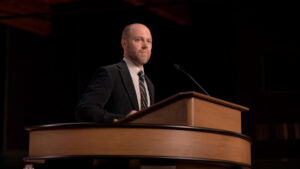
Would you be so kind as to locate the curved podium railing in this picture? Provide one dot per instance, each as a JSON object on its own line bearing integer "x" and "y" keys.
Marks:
{"x": 184, "y": 138}
{"x": 138, "y": 141}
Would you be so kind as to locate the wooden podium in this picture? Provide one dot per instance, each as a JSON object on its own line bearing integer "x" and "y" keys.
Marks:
{"x": 189, "y": 129}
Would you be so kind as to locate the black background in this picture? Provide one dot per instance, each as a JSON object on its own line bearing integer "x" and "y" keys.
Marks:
{"x": 242, "y": 52}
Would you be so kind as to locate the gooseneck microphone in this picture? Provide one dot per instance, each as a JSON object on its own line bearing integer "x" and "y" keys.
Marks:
{"x": 178, "y": 68}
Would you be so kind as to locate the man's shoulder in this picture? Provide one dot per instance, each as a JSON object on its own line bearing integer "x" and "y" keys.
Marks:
{"x": 114, "y": 66}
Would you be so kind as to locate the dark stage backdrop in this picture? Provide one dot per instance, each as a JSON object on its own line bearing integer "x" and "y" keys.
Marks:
{"x": 242, "y": 52}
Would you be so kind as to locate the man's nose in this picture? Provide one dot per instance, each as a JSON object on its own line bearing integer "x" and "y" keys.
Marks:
{"x": 144, "y": 45}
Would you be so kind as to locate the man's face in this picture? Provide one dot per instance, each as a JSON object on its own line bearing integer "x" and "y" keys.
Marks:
{"x": 138, "y": 45}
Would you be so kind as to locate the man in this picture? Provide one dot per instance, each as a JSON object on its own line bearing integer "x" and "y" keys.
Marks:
{"x": 121, "y": 89}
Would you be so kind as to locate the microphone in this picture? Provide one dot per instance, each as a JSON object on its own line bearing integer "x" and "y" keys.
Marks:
{"x": 178, "y": 68}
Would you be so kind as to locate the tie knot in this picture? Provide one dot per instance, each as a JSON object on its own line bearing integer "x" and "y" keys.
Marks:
{"x": 141, "y": 74}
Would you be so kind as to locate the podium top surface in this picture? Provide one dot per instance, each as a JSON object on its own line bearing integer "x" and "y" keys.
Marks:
{"x": 183, "y": 95}
{"x": 207, "y": 98}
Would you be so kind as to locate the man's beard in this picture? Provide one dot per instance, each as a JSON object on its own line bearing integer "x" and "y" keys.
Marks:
{"x": 139, "y": 60}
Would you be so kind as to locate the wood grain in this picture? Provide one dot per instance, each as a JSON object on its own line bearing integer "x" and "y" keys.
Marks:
{"x": 154, "y": 142}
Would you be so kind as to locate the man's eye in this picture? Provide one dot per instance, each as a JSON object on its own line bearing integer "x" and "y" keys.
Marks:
{"x": 137, "y": 40}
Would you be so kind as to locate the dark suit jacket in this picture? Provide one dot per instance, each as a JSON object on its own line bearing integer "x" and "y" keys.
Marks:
{"x": 110, "y": 95}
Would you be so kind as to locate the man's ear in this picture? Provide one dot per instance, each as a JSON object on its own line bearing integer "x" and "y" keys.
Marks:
{"x": 123, "y": 43}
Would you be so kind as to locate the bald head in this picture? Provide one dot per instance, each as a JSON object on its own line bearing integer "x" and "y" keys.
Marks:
{"x": 127, "y": 31}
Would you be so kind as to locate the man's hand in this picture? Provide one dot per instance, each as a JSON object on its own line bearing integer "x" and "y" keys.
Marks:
{"x": 129, "y": 114}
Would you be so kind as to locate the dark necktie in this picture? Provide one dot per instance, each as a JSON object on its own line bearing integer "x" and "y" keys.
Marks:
{"x": 144, "y": 101}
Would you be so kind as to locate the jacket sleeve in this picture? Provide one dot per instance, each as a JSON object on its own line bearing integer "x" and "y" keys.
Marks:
{"x": 91, "y": 107}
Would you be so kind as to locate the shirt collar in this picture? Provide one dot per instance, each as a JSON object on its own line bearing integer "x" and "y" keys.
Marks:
{"x": 132, "y": 67}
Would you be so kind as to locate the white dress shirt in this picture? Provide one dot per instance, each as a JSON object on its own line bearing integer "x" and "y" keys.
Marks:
{"x": 134, "y": 70}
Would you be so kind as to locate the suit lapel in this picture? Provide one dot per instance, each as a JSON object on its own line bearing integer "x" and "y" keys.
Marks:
{"x": 128, "y": 84}
{"x": 151, "y": 89}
